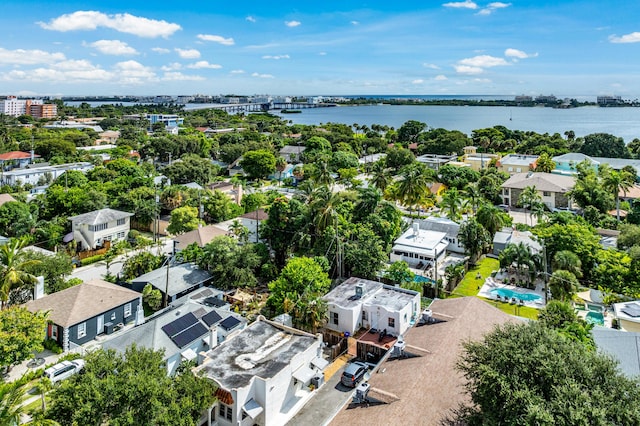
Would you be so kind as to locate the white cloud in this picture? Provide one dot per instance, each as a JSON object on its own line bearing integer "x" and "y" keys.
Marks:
{"x": 519, "y": 54}
{"x": 188, "y": 53}
{"x": 217, "y": 39}
{"x": 292, "y": 24}
{"x": 483, "y": 61}
{"x": 276, "y": 57}
{"x": 172, "y": 66}
{"x": 203, "y": 64}
{"x": 627, "y": 38}
{"x": 250, "y": 18}
{"x": 355, "y": 23}
{"x": 178, "y": 76}
{"x": 322, "y": 53}
{"x": 467, "y": 4}
{"x": 133, "y": 72}
{"x": 113, "y": 47}
{"x": 431, "y": 66}
{"x": 417, "y": 81}
{"x": 466, "y": 69}
{"x": 255, "y": 74}
{"x": 160, "y": 50}
{"x": 440, "y": 77}
{"x": 28, "y": 57}
{"x": 121, "y": 22}
{"x": 237, "y": 71}
{"x": 482, "y": 80}
{"x": 488, "y": 10}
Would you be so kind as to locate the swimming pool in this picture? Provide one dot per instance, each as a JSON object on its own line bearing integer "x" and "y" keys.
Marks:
{"x": 509, "y": 294}
{"x": 421, "y": 279}
{"x": 595, "y": 318}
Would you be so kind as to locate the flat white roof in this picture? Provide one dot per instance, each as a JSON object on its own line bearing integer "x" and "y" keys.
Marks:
{"x": 423, "y": 239}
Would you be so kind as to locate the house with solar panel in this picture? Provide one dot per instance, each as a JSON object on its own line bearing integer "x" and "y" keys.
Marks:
{"x": 628, "y": 315}
{"x": 182, "y": 333}
{"x": 181, "y": 280}
{"x": 265, "y": 374}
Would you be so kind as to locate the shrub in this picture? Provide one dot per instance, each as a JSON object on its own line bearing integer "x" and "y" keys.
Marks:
{"x": 92, "y": 259}
{"x": 52, "y": 345}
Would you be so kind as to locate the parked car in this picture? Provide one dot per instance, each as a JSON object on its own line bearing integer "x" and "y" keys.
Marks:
{"x": 353, "y": 373}
{"x": 504, "y": 207}
{"x": 64, "y": 370}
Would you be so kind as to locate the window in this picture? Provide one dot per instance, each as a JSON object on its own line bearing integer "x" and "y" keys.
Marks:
{"x": 120, "y": 235}
{"x": 364, "y": 315}
{"x": 334, "y": 318}
{"x": 121, "y": 221}
{"x": 546, "y": 194}
{"x": 225, "y": 411}
{"x": 518, "y": 169}
{"x": 82, "y": 330}
{"x": 98, "y": 227}
{"x": 113, "y": 316}
{"x": 510, "y": 169}
{"x": 392, "y": 322}
{"x": 127, "y": 310}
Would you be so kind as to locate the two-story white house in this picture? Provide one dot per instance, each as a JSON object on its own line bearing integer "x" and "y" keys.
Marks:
{"x": 420, "y": 247}
{"x": 358, "y": 303}
{"x": 265, "y": 374}
{"x": 36, "y": 174}
{"x": 91, "y": 230}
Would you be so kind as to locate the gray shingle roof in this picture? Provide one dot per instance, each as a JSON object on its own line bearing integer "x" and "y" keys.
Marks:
{"x": 542, "y": 181}
{"x": 181, "y": 277}
{"x": 100, "y": 216}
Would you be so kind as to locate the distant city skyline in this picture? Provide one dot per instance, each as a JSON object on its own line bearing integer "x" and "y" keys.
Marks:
{"x": 565, "y": 48}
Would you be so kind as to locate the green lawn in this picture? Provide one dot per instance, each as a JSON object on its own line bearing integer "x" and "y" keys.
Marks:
{"x": 470, "y": 285}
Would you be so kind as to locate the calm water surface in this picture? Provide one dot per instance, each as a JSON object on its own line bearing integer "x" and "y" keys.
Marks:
{"x": 622, "y": 122}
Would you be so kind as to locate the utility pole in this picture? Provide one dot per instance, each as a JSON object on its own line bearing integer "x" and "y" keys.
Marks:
{"x": 171, "y": 257}
{"x": 544, "y": 263}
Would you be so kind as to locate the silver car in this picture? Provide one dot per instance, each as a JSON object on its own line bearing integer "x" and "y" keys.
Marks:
{"x": 353, "y": 373}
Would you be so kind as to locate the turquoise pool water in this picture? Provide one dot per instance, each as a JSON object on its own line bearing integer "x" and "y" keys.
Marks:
{"x": 421, "y": 279}
{"x": 595, "y": 318}
{"x": 525, "y": 296}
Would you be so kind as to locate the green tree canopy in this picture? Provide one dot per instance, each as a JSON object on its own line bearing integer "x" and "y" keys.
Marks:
{"x": 530, "y": 374}
{"x": 130, "y": 389}
{"x": 258, "y": 164}
{"x": 183, "y": 219}
{"x": 21, "y": 334}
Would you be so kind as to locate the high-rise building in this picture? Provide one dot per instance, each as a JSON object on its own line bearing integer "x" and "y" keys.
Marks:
{"x": 36, "y": 107}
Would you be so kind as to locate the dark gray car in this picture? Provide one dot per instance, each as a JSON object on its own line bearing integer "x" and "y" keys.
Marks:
{"x": 353, "y": 373}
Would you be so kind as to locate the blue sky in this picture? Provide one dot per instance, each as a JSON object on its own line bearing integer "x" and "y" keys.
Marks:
{"x": 568, "y": 48}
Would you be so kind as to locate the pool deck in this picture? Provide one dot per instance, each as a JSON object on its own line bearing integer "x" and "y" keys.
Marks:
{"x": 492, "y": 284}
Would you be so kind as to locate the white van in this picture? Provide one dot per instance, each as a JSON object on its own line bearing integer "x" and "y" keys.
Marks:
{"x": 64, "y": 370}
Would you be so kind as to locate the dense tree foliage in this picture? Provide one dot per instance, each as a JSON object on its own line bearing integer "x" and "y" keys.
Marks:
{"x": 531, "y": 374}
{"x": 130, "y": 389}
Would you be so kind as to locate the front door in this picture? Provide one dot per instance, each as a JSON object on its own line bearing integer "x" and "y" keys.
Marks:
{"x": 100, "y": 328}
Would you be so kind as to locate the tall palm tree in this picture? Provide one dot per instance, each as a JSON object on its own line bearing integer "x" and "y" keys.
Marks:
{"x": 473, "y": 194}
{"x": 529, "y": 198}
{"x": 320, "y": 174}
{"x": 452, "y": 204}
{"x": 616, "y": 181}
{"x": 11, "y": 408}
{"x": 568, "y": 261}
{"x": 368, "y": 200}
{"x": 12, "y": 274}
{"x": 324, "y": 207}
{"x": 380, "y": 176}
{"x": 281, "y": 164}
{"x": 491, "y": 217}
{"x": 413, "y": 185}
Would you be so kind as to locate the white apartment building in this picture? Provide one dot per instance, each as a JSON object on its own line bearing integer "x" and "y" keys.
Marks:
{"x": 33, "y": 174}
{"x": 16, "y": 107}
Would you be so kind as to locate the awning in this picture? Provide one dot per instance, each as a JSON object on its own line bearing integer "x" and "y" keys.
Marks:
{"x": 320, "y": 363}
{"x": 304, "y": 374}
{"x": 68, "y": 238}
{"x": 252, "y": 408}
{"x": 189, "y": 355}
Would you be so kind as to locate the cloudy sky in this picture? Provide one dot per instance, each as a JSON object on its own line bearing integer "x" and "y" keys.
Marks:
{"x": 568, "y": 48}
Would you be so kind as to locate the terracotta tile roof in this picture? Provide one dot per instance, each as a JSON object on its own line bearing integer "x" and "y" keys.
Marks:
{"x": 16, "y": 155}
{"x": 5, "y": 198}
{"x": 81, "y": 302}
{"x": 201, "y": 236}
{"x": 422, "y": 389}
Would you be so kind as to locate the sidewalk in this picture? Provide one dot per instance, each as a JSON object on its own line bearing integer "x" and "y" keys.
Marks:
{"x": 25, "y": 366}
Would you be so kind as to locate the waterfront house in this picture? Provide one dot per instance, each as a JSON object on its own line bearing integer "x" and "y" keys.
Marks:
{"x": 517, "y": 163}
{"x": 566, "y": 163}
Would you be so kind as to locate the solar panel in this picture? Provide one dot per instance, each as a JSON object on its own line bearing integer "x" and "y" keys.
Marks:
{"x": 214, "y": 301}
{"x": 211, "y": 318}
{"x": 180, "y": 324}
{"x": 229, "y": 323}
{"x": 633, "y": 310}
{"x": 189, "y": 335}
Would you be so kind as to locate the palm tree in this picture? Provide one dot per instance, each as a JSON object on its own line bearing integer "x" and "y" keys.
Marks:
{"x": 563, "y": 285}
{"x": 529, "y": 197}
{"x": 11, "y": 408}
{"x": 380, "y": 176}
{"x": 491, "y": 217}
{"x": 281, "y": 164}
{"x": 368, "y": 200}
{"x": 324, "y": 207}
{"x": 616, "y": 181}
{"x": 239, "y": 231}
{"x": 413, "y": 185}
{"x": 12, "y": 275}
{"x": 568, "y": 261}
{"x": 452, "y": 204}
{"x": 473, "y": 194}
{"x": 321, "y": 175}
